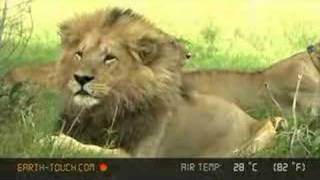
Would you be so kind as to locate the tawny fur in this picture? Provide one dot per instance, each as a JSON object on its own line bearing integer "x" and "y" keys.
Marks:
{"x": 253, "y": 90}
{"x": 40, "y": 74}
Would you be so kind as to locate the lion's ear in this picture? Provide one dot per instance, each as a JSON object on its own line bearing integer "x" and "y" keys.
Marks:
{"x": 68, "y": 38}
{"x": 311, "y": 49}
{"x": 147, "y": 49}
{"x": 63, "y": 33}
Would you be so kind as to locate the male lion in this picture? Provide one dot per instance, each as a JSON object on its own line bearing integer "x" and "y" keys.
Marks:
{"x": 121, "y": 79}
{"x": 274, "y": 87}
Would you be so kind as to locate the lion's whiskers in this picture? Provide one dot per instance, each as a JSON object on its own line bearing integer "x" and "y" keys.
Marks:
{"x": 98, "y": 85}
{"x": 99, "y": 88}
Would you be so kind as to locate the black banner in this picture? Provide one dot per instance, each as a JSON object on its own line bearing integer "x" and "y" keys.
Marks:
{"x": 152, "y": 169}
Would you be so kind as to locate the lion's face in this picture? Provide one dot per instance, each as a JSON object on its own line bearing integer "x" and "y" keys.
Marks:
{"x": 127, "y": 60}
{"x": 99, "y": 64}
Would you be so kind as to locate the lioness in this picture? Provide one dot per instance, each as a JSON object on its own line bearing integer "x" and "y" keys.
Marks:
{"x": 274, "y": 87}
{"x": 43, "y": 74}
{"x": 121, "y": 79}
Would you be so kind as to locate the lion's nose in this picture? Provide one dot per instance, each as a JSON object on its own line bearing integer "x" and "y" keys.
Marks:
{"x": 82, "y": 80}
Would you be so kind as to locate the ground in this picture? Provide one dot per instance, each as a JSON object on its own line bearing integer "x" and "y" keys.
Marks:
{"x": 231, "y": 34}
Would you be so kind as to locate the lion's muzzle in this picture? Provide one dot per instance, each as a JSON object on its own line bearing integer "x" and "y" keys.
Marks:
{"x": 82, "y": 95}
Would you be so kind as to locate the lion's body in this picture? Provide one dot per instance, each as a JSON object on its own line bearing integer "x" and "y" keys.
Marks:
{"x": 235, "y": 87}
{"x": 40, "y": 74}
{"x": 121, "y": 79}
{"x": 205, "y": 126}
{"x": 251, "y": 90}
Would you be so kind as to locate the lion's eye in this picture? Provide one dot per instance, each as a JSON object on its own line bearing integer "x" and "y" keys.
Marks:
{"x": 78, "y": 55}
{"x": 109, "y": 59}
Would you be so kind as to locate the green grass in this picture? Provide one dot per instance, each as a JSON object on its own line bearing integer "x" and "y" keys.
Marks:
{"x": 24, "y": 120}
{"x": 231, "y": 34}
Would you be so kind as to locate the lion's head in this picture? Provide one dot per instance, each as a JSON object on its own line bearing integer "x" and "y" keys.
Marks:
{"x": 117, "y": 53}
{"x": 314, "y": 52}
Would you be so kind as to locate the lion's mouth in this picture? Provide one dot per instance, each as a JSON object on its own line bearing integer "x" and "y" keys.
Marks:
{"x": 85, "y": 99}
{"x": 82, "y": 92}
